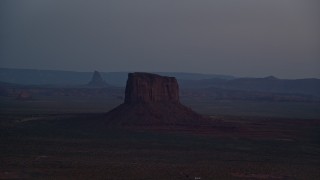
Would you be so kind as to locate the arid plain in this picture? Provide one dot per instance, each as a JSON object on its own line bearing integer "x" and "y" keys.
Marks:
{"x": 68, "y": 137}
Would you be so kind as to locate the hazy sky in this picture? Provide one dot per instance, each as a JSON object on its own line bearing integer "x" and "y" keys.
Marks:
{"x": 235, "y": 37}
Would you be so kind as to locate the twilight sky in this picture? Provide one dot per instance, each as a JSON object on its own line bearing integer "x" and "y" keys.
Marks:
{"x": 236, "y": 37}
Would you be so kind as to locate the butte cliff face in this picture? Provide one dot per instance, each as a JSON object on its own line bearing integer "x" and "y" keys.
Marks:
{"x": 152, "y": 100}
{"x": 151, "y": 88}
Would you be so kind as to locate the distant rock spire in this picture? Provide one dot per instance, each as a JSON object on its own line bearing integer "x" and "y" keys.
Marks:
{"x": 97, "y": 80}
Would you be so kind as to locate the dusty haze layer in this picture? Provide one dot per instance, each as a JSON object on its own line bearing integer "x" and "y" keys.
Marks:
{"x": 242, "y": 38}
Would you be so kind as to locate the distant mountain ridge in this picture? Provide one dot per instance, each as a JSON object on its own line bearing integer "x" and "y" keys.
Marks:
{"x": 65, "y": 83}
{"x": 268, "y": 84}
{"x": 57, "y": 77}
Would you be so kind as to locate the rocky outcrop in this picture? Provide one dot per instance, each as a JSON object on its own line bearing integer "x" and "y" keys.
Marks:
{"x": 152, "y": 100}
{"x": 151, "y": 88}
{"x": 97, "y": 80}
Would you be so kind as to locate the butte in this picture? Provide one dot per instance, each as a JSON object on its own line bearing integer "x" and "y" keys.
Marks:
{"x": 153, "y": 100}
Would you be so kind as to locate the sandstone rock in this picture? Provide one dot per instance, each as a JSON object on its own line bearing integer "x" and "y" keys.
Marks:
{"x": 151, "y": 88}
{"x": 153, "y": 100}
{"x": 97, "y": 80}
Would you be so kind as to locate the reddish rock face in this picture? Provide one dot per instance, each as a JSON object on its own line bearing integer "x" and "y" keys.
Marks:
{"x": 151, "y": 88}
{"x": 153, "y": 100}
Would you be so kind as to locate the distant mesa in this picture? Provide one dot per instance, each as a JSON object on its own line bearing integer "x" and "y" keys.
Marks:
{"x": 97, "y": 80}
{"x": 151, "y": 99}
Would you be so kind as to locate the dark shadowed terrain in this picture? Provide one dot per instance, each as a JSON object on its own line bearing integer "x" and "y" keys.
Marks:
{"x": 54, "y": 132}
{"x": 80, "y": 146}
